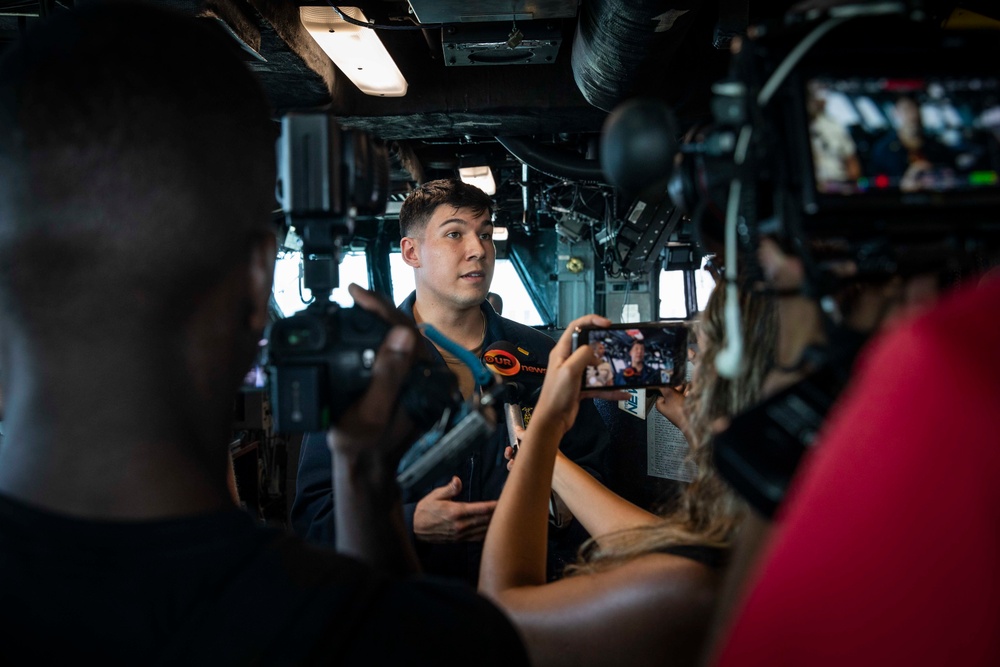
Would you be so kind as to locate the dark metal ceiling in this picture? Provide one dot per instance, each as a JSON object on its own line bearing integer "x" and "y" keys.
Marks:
{"x": 443, "y": 101}
{"x": 595, "y": 54}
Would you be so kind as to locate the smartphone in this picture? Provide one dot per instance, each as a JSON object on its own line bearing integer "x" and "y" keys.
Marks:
{"x": 645, "y": 354}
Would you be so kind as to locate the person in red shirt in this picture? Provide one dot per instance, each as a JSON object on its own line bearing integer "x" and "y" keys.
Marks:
{"x": 885, "y": 547}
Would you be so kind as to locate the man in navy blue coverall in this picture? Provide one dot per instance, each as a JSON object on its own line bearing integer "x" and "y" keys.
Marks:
{"x": 637, "y": 373}
{"x": 447, "y": 237}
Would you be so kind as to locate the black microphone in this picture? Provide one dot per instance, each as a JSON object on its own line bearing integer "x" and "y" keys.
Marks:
{"x": 521, "y": 375}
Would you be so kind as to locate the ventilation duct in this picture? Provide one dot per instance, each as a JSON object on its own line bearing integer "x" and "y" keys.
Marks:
{"x": 622, "y": 46}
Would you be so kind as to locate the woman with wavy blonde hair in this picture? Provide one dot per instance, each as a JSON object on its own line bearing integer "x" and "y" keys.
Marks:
{"x": 644, "y": 588}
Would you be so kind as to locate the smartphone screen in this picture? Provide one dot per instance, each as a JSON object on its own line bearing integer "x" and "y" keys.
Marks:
{"x": 648, "y": 354}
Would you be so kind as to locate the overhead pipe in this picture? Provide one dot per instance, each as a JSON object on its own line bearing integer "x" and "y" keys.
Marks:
{"x": 553, "y": 161}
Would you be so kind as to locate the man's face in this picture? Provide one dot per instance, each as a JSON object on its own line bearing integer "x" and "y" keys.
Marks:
{"x": 604, "y": 374}
{"x": 453, "y": 258}
{"x": 637, "y": 352}
{"x": 908, "y": 114}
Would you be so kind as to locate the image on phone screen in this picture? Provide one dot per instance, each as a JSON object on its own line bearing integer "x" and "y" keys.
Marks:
{"x": 649, "y": 354}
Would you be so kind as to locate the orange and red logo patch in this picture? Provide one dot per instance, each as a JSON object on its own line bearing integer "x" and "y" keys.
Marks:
{"x": 502, "y": 362}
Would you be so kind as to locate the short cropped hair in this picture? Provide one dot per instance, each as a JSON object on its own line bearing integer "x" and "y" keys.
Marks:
{"x": 131, "y": 178}
{"x": 422, "y": 202}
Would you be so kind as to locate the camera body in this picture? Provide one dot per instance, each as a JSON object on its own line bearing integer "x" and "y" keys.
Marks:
{"x": 320, "y": 360}
{"x": 328, "y": 175}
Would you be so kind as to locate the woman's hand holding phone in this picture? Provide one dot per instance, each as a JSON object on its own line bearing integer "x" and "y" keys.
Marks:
{"x": 561, "y": 390}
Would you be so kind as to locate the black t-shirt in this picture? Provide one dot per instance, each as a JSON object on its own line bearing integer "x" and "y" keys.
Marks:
{"x": 220, "y": 590}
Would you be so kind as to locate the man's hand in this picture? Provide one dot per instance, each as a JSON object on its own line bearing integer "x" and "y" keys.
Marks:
{"x": 920, "y": 175}
{"x": 438, "y": 518}
{"x": 510, "y": 452}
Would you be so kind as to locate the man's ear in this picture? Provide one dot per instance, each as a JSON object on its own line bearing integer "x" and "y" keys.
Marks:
{"x": 409, "y": 248}
{"x": 261, "y": 276}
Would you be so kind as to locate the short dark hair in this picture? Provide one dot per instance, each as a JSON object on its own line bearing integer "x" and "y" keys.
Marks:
{"x": 422, "y": 202}
{"x": 131, "y": 179}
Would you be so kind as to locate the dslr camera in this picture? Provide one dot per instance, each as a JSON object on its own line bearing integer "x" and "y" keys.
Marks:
{"x": 319, "y": 360}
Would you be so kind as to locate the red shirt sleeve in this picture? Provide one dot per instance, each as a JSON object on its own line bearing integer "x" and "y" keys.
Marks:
{"x": 888, "y": 547}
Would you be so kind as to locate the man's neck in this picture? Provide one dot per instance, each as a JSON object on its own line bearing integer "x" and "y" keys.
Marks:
{"x": 465, "y": 327}
{"x": 125, "y": 459}
{"x": 141, "y": 482}
{"x": 912, "y": 139}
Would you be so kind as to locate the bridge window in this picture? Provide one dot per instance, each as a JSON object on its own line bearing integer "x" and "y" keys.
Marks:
{"x": 672, "y": 303}
{"x": 517, "y": 304}
{"x": 292, "y": 295}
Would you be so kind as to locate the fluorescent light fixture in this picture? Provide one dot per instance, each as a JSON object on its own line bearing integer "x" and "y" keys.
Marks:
{"x": 357, "y": 51}
{"x": 481, "y": 177}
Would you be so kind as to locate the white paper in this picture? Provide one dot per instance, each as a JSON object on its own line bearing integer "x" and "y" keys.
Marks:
{"x": 666, "y": 450}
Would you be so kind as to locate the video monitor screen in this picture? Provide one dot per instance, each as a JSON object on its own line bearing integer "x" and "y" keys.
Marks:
{"x": 886, "y": 135}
